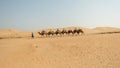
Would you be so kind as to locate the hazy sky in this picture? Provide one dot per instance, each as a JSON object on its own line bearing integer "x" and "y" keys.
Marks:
{"x": 40, "y": 14}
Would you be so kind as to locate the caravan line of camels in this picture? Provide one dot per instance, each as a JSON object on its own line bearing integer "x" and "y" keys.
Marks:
{"x": 61, "y": 32}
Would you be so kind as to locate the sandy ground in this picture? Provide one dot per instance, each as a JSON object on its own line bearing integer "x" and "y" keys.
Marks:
{"x": 83, "y": 51}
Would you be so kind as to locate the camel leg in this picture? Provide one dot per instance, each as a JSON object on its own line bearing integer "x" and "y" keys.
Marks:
{"x": 78, "y": 33}
{"x": 73, "y": 34}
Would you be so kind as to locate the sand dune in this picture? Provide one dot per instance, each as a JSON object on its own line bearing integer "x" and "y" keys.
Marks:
{"x": 10, "y": 33}
{"x": 106, "y": 29}
{"x": 82, "y": 51}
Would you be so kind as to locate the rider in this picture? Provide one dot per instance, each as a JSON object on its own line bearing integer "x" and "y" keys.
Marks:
{"x": 32, "y": 35}
{"x": 50, "y": 30}
{"x": 64, "y": 29}
{"x": 75, "y": 28}
{"x": 58, "y": 30}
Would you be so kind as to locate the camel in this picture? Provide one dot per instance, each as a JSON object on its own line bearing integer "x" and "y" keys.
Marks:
{"x": 78, "y": 31}
{"x": 42, "y": 33}
{"x": 64, "y": 31}
{"x": 50, "y": 33}
{"x": 70, "y": 32}
{"x": 58, "y": 32}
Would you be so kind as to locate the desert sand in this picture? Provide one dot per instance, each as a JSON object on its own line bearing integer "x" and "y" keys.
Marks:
{"x": 91, "y": 50}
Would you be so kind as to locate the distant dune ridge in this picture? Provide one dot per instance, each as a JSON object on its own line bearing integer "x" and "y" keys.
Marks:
{"x": 11, "y": 33}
